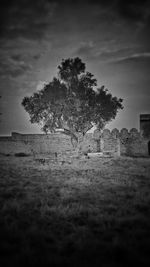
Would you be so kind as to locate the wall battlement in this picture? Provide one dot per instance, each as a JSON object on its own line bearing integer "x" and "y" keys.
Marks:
{"x": 123, "y": 142}
{"x": 123, "y": 133}
{"x": 130, "y": 142}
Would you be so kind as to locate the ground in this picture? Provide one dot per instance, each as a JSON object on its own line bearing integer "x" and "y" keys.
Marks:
{"x": 92, "y": 212}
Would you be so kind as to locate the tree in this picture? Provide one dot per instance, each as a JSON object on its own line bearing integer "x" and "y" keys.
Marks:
{"x": 72, "y": 102}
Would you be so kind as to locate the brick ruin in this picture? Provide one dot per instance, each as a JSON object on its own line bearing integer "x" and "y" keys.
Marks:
{"x": 115, "y": 142}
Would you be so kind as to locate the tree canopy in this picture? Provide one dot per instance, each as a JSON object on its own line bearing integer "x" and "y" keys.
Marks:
{"x": 71, "y": 101}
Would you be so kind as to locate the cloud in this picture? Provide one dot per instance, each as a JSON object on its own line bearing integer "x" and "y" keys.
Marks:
{"x": 135, "y": 10}
{"x": 16, "y": 57}
{"x": 110, "y": 53}
{"x": 19, "y": 57}
{"x": 85, "y": 49}
{"x": 14, "y": 70}
{"x": 37, "y": 56}
{"x": 144, "y": 56}
{"x": 25, "y": 18}
{"x": 40, "y": 85}
{"x": 56, "y": 20}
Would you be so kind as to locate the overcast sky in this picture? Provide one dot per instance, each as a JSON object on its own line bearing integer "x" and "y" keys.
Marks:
{"x": 111, "y": 37}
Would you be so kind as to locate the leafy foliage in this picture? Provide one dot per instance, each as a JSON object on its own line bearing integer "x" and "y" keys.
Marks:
{"x": 71, "y": 101}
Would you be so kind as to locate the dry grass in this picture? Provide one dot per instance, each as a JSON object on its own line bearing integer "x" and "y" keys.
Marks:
{"x": 92, "y": 212}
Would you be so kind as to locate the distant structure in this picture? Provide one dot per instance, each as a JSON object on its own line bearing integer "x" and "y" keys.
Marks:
{"x": 144, "y": 121}
{"x": 115, "y": 142}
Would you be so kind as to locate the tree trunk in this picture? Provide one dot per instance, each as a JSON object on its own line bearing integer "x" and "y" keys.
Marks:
{"x": 78, "y": 147}
{"x": 76, "y": 140}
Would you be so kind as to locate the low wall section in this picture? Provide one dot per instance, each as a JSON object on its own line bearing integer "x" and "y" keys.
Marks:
{"x": 12, "y": 147}
{"x": 35, "y": 143}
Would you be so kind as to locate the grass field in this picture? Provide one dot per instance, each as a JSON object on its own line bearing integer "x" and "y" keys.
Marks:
{"x": 93, "y": 212}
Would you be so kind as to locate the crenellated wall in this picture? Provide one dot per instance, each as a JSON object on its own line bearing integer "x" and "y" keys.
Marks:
{"x": 132, "y": 142}
{"x": 124, "y": 142}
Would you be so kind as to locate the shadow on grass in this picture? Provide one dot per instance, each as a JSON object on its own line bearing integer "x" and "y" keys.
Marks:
{"x": 21, "y": 154}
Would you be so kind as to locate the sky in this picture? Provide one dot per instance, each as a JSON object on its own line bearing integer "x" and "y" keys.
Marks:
{"x": 110, "y": 36}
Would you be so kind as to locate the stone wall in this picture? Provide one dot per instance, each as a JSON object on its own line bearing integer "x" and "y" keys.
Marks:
{"x": 9, "y": 147}
{"x": 111, "y": 142}
{"x": 132, "y": 143}
{"x": 35, "y": 143}
{"x": 88, "y": 144}
{"x": 124, "y": 142}
{"x": 128, "y": 143}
